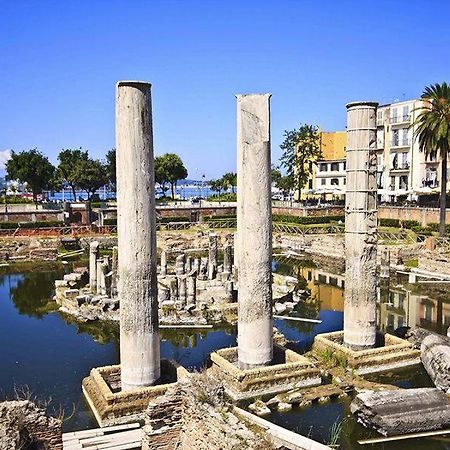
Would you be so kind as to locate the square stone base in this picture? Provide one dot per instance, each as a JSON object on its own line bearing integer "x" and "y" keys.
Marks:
{"x": 396, "y": 353}
{"x": 111, "y": 406}
{"x": 289, "y": 371}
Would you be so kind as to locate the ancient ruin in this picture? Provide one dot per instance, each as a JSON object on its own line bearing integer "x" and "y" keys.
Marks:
{"x": 254, "y": 231}
{"x": 360, "y": 227}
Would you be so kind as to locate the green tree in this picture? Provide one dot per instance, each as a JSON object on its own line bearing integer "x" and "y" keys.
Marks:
{"x": 216, "y": 185}
{"x": 92, "y": 176}
{"x": 111, "y": 168}
{"x": 300, "y": 148}
{"x": 33, "y": 168}
{"x": 161, "y": 174}
{"x": 71, "y": 162}
{"x": 229, "y": 180}
{"x": 169, "y": 169}
{"x": 432, "y": 130}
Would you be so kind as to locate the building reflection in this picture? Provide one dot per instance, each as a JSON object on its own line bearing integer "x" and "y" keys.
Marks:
{"x": 400, "y": 304}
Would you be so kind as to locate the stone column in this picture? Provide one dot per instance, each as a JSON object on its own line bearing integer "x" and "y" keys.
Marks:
{"x": 100, "y": 279}
{"x": 385, "y": 263}
{"x": 212, "y": 256}
{"x": 191, "y": 291}
{"x": 137, "y": 284}
{"x": 181, "y": 292}
{"x": 254, "y": 231}
{"x": 163, "y": 269}
{"x": 361, "y": 227}
{"x": 227, "y": 258}
{"x": 114, "y": 267}
{"x": 179, "y": 264}
{"x": 93, "y": 256}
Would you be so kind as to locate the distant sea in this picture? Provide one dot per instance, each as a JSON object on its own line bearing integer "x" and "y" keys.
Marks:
{"x": 194, "y": 189}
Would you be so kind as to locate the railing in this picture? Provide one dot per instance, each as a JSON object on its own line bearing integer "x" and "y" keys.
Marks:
{"x": 442, "y": 245}
{"x": 403, "y": 143}
{"x": 400, "y": 119}
{"x": 72, "y": 230}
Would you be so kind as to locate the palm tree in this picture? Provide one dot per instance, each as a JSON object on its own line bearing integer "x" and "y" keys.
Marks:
{"x": 432, "y": 129}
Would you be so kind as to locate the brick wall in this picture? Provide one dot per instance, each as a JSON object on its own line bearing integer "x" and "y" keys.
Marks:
{"x": 187, "y": 418}
{"x": 23, "y": 420}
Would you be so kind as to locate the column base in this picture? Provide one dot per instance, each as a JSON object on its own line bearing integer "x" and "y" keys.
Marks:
{"x": 111, "y": 406}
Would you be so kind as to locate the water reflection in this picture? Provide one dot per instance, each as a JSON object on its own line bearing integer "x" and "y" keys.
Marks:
{"x": 399, "y": 302}
{"x": 51, "y": 352}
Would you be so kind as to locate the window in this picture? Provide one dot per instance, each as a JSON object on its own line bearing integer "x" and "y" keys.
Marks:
{"x": 334, "y": 182}
{"x": 334, "y": 167}
{"x": 333, "y": 281}
{"x": 394, "y": 115}
{"x": 322, "y": 278}
{"x": 310, "y": 184}
{"x": 404, "y": 133}
{"x": 344, "y": 165}
{"x": 323, "y": 181}
{"x": 392, "y": 185}
{"x": 395, "y": 138}
{"x": 323, "y": 167}
{"x": 403, "y": 182}
{"x": 405, "y": 113}
{"x": 404, "y": 164}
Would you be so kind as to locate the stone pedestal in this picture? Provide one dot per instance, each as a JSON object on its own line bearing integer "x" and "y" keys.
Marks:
{"x": 137, "y": 284}
{"x": 361, "y": 227}
{"x": 254, "y": 231}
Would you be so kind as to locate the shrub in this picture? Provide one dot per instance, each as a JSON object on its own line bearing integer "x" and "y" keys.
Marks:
{"x": 28, "y": 225}
{"x": 285, "y": 218}
{"x": 389, "y": 222}
{"x": 109, "y": 221}
{"x": 433, "y": 226}
{"x": 173, "y": 219}
{"x": 424, "y": 231}
{"x": 409, "y": 224}
{"x": 220, "y": 217}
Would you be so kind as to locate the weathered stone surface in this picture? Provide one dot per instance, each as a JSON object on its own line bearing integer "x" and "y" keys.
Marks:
{"x": 402, "y": 411}
{"x": 361, "y": 227}
{"x": 435, "y": 355}
{"x": 254, "y": 231}
{"x": 93, "y": 256}
{"x": 194, "y": 415}
{"x": 22, "y": 422}
{"x": 136, "y": 228}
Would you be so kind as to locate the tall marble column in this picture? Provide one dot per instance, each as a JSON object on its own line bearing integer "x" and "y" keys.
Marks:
{"x": 361, "y": 227}
{"x": 137, "y": 284}
{"x": 254, "y": 231}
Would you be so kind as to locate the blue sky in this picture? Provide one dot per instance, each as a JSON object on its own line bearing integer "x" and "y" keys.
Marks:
{"x": 59, "y": 61}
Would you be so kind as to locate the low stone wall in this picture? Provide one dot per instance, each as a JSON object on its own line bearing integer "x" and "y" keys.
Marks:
{"x": 194, "y": 415}
{"x": 32, "y": 216}
{"x": 330, "y": 245}
{"x": 22, "y": 423}
{"x": 308, "y": 212}
{"x": 423, "y": 215}
{"x": 435, "y": 262}
{"x": 28, "y": 248}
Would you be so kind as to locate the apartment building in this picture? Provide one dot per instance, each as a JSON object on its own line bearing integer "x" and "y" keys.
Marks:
{"x": 328, "y": 176}
{"x": 403, "y": 171}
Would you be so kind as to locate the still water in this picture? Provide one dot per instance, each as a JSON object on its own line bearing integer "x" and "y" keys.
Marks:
{"x": 50, "y": 353}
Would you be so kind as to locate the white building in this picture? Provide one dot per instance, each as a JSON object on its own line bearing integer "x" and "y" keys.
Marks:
{"x": 403, "y": 171}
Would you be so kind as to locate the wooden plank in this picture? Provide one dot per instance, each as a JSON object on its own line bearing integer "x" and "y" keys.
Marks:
{"x": 104, "y": 430}
{"x": 129, "y": 436}
{"x": 423, "y": 434}
{"x": 298, "y": 319}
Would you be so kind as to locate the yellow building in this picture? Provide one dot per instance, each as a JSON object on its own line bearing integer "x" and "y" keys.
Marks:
{"x": 327, "y": 179}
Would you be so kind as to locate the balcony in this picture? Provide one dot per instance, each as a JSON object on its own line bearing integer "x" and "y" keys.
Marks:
{"x": 401, "y": 143}
{"x": 399, "y": 167}
{"x": 399, "y": 120}
{"x": 430, "y": 183}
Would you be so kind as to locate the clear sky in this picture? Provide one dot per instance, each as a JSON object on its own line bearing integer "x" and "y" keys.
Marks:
{"x": 59, "y": 61}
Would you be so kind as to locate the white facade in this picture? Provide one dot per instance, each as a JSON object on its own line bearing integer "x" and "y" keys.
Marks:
{"x": 329, "y": 177}
{"x": 403, "y": 170}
